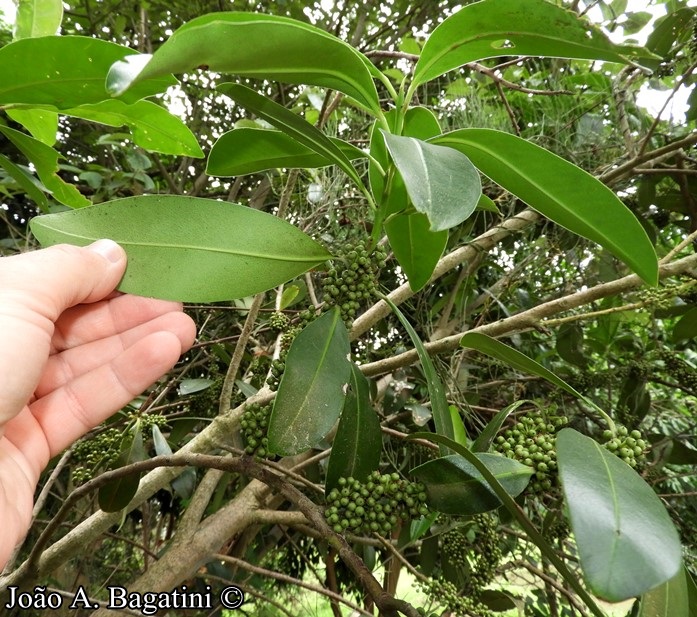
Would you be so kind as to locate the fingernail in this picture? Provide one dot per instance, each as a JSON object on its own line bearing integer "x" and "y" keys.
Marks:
{"x": 108, "y": 249}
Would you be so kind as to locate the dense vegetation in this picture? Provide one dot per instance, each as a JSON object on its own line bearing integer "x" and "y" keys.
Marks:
{"x": 514, "y": 432}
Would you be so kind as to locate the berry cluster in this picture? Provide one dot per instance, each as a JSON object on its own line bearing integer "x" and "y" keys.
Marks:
{"x": 531, "y": 441}
{"x": 628, "y": 446}
{"x": 480, "y": 542}
{"x": 98, "y": 452}
{"x": 375, "y": 505}
{"x": 445, "y": 593}
{"x": 276, "y": 372}
{"x": 680, "y": 370}
{"x": 279, "y": 321}
{"x": 352, "y": 281}
{"x": 254, "y": 424}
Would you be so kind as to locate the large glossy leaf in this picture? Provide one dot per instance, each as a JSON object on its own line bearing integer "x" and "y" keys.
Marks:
{"x": 153, "y": 127}
{"x": 627, "y": 543}
{"x": 189, "y": 249}
{"x": 45, "y": 161}
{"x": 41, "y": 123}
{"x": 247, "y": 151}
{"x": 65, "y": 71}
{"x": 668, "y": 600}
{"x": 312, "y": 390}
{"x": 415, "y": 246}
{"x": 561, "y": 191}
{"x": 455, "y": 486}
{"x": 256, "y": 45}
{"x": 358, "y": 441}
{"x": 442, "y": 182}
{"x": 436, "y": 391}
{"x": 37, "y": 18}
{"x": 25, "y": 181}
{"x": 494, "y": 28}
{"x": 292, "y": 124}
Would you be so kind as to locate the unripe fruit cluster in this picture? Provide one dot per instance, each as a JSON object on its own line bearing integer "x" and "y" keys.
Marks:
{"x": 275, "y": 373}
{"x": 680, "y": 370}
{"x": 375, "y": 505}
{"x": 254, "y": 424}
{"x": 629, "y": 446}
{"x": 279, "y": 321}
{"x": 352, "y": 281}
{"x": 444, "y": 593}
{"x": 531, "y": 442}
{"x": 98, "y": 452}
{"x": 476, "y": 550}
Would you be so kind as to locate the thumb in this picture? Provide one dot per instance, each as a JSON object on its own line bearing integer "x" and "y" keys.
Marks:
{"x": 50, "y": 280}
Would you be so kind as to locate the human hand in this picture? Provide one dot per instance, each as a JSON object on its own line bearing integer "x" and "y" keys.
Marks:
{"x": 71, "y": 355}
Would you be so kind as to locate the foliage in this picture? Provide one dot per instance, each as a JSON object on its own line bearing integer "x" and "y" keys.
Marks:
{"x": 461, "y": 176}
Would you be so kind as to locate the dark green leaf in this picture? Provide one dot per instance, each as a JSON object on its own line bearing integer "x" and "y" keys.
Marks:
{"x": 570, "y": 344}
{"x": 358, "y": 442}
{"x": 311, "y": 393}
{"x": 668, "y": 600}
{"x": 442, "y": 182}
{"x": 670, "y": 28}
{"x": 626, "y": 540}
{"x": 455, "y": 486}
{"x": 117, "y": 495}
{"x": 542, "y": 180}
{"x": 634, "y": 22}
{"x": 293, "y": 125}
{"x": 439, "y": 402}
{"x": 25, "y": 181}
{"x": 486, "y": 437}
{"x": 45, "y": 160}
{"x": 512, "y": 357}
{"x": 256, "y": 45}
{"x": 153, "y": 127}
{"x": 51, "y": 79}
{"x": 174, "y": 252}
{"x": 37, "y": 18}
{"x": 512, "y": 28}
{"x": 497, "y": 601}
{"x": 415, "y": 246}
{"x": 247, "y": 151}
{"x": 686, "y": 328}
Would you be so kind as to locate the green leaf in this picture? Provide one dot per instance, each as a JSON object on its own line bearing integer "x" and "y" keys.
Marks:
{"x": 459, "y": 429}
{"x": 117, "y": 495}
{"x": 288, "y": 296}
{"x": 627, "y": 543}
{"x": 634, "y": 22}
{"x": 45, "y": 160}
{"x": 415, "y": 246}
{"x": 543, "y": 180}
{"x": 189, "y": 249}
{"x": 686, "y": 328}
{"x": 153, "y": 127}
{"x": 247, "y": 151}
{"x": 191, "y": 386}
{"x": 161, "y": 446}
{"x": 293, "y": 125}
{"x": 496, "y": 28}
{"x": 37, "y": 18}
{"x": 436, "y": 391}
{"x": 569, "y": 344}
{"x": 514, "y": 359}
{"x": 311, "y": 393}
{"x": 41, "y": 123}
{"x": 358, "y": 442}
{"x": 51, "y": 79}
{"x": 669, "y": 600}
{"x": 455, "y": 486}
{"x": 256, "y": 45}
{"x": 25, "y": 181}
{"x": 442, "y": 182}
{"x": 486, "y": 437}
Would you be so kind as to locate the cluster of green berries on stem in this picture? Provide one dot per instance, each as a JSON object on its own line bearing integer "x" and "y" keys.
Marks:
{"x": 445, "y": 593}
{"x": 629, "y": 446}
{"x": 680, "y": 370}
{"x": 97, "y": 452}
{"x": 352, "y": 281}
{"x": 531, "y": 442}
{"x": 374, "y": 506}
{"x": 254, "y": 425}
